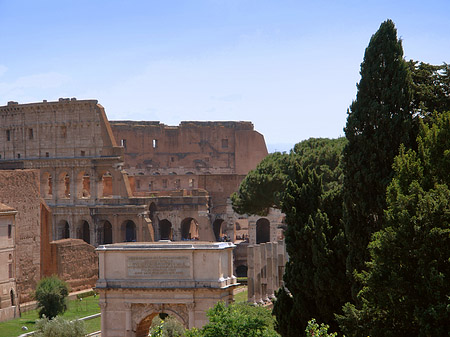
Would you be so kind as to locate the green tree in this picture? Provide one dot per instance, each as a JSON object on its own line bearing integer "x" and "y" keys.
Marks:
{"x": 406, "y": 288}
{"x": 51, "y": 294}
{"x": 308, "y": 190}
{"x": 237, "y": 320}
{"x": 378, "y": 121}
{"x": 59, "y": 327}
{"x": 431, "y": 87}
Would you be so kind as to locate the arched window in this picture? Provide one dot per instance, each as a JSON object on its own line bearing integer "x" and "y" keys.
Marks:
{"x": 165, "y": 230}
{"x": 262, "y": 230}
{"x": 217, "y": 228}
{"x": 130, "y": 231}
{"x": 189, "y": 229}
{"x": 107, "y": 233}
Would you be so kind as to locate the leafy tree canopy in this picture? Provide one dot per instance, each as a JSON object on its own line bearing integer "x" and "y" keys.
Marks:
{"x": 239, "y": 320}
{"x": 51, "y": 294}
{"x": 406, "y": 288}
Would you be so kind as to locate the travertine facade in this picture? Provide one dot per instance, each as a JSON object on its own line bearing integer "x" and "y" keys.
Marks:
{"x": 138, "y": 281}
{"x": 108, "y": 182}
{"x": 8, "y": 292}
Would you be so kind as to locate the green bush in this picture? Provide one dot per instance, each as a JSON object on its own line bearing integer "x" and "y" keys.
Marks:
{"x": 51, "y": 294}
{"x": 168, "y": 327}
{"x": 59, "y": 327}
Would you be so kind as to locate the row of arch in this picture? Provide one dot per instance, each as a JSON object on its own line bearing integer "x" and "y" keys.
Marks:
{"x": 62, "y": 186}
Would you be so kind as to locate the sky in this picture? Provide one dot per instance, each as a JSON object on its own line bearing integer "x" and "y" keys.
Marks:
{"x": 290, "y": 67}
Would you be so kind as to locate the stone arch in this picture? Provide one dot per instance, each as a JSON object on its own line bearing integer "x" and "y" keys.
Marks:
{"x": 129, "y": 230}
{"x": 63, "y": 230}
{"x": 64, "y": 185}
{"x": 145, "y": 313}
{"x": 47, "y": 185}
{"x": 107, "y": 232}
{"x": 262, "y": 230}
{"x": 217, "y": 228}
{"x": 84, "y": 231}
{"x": 241, "y": 270}
{"x": 189, "y": 229}
{"x": 165, "y": 230}
{"x": 106, "y": 184}
{"x": 83, "y": 185}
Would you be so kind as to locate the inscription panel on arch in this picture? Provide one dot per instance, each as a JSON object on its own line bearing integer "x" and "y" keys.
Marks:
{"x": 159, "y": 267}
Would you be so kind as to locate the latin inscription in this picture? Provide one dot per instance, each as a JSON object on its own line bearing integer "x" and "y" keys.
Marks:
{"x": 159, "y": 267}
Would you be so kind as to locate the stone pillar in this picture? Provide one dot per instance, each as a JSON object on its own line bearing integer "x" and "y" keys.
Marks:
{"x": 257, "y": 282}
{"x": 252, "y": 232}
{"x": 251, "y": 274}
{"x": 102, "y": 305}
{"x": 128, "y": 322}
{"x": 264, "y": 273}
{"x": 275, "y": 277}
{"x": 269, "y": 270}
{"x": 73, "y": 227}
{"x": 191, "y": 313}
{"x": 116, "y": 230}
{"x": 281, "y": 261}
{"x": 140, "y": 236}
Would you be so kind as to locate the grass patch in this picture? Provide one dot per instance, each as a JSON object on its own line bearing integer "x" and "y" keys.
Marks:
{"x": 93, "y": 325}
{"x": 241, "y": 296}
{"x": 75, "y": 309}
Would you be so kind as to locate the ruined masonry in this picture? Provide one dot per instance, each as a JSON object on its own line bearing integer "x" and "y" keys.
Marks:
{"x": 108, "y": 182}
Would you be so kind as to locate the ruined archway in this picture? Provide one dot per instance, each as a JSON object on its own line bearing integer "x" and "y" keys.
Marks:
{"x": 83, "y": 185}
{"x": 107, "y": 233}
{"x": 85, "y": 232}
{"x": 262, "y": 230}
{"x": 217, "y": 228}
{"x": 189, "y": 229}
{"x": 130, "y": 231}
{"x": 64, "y": 185}
{"x": 47, "y": 185}
{"x": 144, "y": 314}
{"x": 106, "y": 185}
{"x": 241, "y": 271}
{"x": 165, "y": 230}
{"x": 63, "y": 230}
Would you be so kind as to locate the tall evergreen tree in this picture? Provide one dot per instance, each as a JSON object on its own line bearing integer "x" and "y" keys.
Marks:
{"x": 379, "y": 120}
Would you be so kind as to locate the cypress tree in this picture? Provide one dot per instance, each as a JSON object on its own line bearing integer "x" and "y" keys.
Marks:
{"x": 378, "y": 121}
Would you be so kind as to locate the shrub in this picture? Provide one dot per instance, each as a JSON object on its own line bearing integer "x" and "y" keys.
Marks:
{"x": 59, "y": 327}
{"x": 51, "y": 294}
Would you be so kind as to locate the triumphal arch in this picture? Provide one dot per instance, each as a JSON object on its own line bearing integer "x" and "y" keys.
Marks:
{"x": 138, "y": 281}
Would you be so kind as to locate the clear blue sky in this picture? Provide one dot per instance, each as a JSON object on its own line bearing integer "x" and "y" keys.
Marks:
{"x": 290, "y": 67}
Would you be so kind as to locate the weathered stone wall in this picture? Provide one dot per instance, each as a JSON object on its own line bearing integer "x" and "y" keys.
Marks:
{"x": 74, "y": 261}
{"x": 20, "y": 190}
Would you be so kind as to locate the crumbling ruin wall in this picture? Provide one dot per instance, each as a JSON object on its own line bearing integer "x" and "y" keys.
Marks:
{"x": 75, "y": 262}
{"x": 190, "y": 148}
{"x": 20, "y": 190}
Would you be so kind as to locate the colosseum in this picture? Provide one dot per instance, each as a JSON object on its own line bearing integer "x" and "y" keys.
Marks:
{"x": 117, "y": 181}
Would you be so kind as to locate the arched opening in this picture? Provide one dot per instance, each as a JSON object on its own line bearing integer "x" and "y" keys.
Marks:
{"x": 241, "y": 271}
{"x": 107, "y": 233}
{"x": 13, "y": 301}
{"x": 152, "y": 209}
{"x": 107, "y": 184}
{"x": 130, "y": 231}
{"x": 189, "y": 229}
{"x": 84, "y": 185}
{"x": 63, "y": 230}
{"x": 47, "y": 185}
{"x": 217, "y": 228}
{"x": 145, "y": 325}
{"x": 64, "y": 186}
{"x": 85, "y": 232}
{"x": 262, "y": 230}
{"x": 165, "y": 230}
